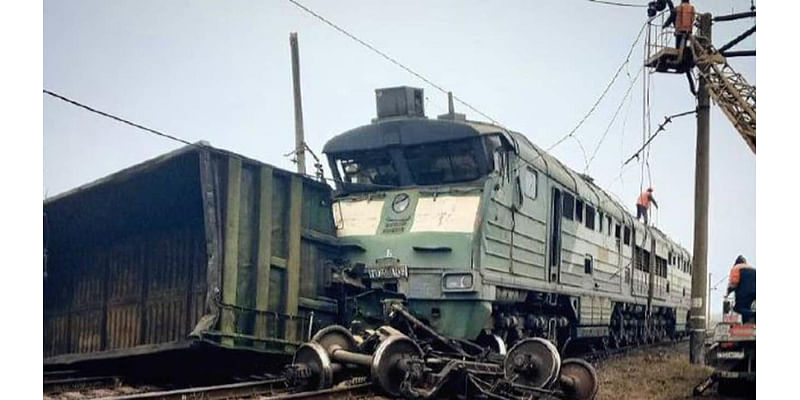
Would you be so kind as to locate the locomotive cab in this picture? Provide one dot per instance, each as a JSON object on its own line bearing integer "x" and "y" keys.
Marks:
{"x": 409, "y": 194}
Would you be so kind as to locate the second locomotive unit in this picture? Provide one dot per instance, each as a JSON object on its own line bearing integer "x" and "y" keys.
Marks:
{"x": 489, "y": 238}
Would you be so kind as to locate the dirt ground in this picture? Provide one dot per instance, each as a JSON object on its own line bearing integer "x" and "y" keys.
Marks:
{"x": 661, "y": 373}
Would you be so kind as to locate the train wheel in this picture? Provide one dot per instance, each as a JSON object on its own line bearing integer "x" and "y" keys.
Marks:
{"x": 532, "y": 362}
{"x": 314, "y": 358}
{"x": 578, "y": 380}
{"x": 493, "y": 342}
{"x": 335, "y": 336}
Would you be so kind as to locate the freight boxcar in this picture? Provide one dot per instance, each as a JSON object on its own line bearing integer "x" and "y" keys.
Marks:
{"x": 199, "y": 245}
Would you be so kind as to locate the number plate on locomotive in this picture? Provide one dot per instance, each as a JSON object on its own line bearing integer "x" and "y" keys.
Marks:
{"x": 388, "y": 272}
{"x": 730, "y": 355}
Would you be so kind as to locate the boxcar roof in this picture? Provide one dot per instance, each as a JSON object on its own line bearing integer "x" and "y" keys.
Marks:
{"x": 153, "y": 163}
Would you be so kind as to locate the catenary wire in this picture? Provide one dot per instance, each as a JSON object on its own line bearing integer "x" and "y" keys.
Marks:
{"x": 616, "y": 3}
{"x": 604, "y": 93}
{"x": 114, "y": 117}
{"x": 660, "y": 128}
{"x": 168, "y": 136}
{"x": 613, "y": 119}
{"x": 390, "y": 59}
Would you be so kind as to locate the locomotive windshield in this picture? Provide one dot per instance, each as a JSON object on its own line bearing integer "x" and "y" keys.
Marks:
{"x": 437, "y": 163}
{"x": 370, "y": 168}
{"x": 433, "y": 163}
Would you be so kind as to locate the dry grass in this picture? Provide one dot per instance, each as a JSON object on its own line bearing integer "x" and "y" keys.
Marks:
{"x": 662, "y": 373}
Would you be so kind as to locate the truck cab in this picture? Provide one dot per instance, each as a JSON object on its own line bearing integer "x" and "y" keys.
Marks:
{"x": 732, "y": 353}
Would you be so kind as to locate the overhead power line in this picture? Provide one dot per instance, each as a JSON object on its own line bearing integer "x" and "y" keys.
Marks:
{"x": 613, "y": 119}
{"x": 114, "y": 117}
{"x": 604, "y": 93}
{"x": 390, "y": 59}
{"x": 172, "y": 137}
{"x": 616, "y": 3}
{"x": 661, "y": 127}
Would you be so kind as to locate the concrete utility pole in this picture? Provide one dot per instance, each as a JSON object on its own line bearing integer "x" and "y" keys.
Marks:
{"x": 700, "y": 253}
{"x": 299, "y": 140}
{"x": 708, "y": 303}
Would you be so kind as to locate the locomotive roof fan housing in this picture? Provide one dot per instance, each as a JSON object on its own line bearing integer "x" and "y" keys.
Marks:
{"x": 402, "y": 101}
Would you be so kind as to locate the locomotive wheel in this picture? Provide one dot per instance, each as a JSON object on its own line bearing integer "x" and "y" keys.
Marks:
{"x": 386, "y": 371}
{"x": 578, "y": 379}
{"x": 314, "y": 357}
{"x": 335, "y": 336}
{"x": 493, "y": 342}
{"x": 532, "y": 362}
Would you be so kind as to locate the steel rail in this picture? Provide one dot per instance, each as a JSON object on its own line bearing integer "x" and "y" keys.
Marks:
{"x": 361, "y": 390}
{"x": 71, "y": 383}
{"x": 226, "y": 391}
{"x": 274, "y": 389}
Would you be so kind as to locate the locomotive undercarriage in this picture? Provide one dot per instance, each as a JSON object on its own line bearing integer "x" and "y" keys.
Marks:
{"x": 555, "y": 317}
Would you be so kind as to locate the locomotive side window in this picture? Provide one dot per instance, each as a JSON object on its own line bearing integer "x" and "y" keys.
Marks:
{"x": 661, "y": 267}
{"x": 627, "y": 238}
{"x": 568, "y": 206}
{"x": 590, "y": 217}
{"x": 608, "y": 220}
{"x": 600, "y": 219}
{"x": 579, "y": 210}
{"x": 587, "y": 264}
{"x": 617, "y": 233}
{"x": 530, "y": 181}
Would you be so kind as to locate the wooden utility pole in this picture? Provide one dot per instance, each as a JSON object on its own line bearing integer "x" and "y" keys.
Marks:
{"x": 700, "y": 253}
{"x": 299, "y": 140}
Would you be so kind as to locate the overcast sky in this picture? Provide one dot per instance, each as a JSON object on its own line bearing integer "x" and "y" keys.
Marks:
{"x": 220, "y": 71}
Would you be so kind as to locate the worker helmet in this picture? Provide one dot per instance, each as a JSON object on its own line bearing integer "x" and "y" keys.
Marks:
{"x": 740, "y": 260}
{"x": 650, "y": 189}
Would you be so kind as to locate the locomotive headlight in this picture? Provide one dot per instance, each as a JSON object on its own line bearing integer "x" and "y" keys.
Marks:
{"x": 457, "y": 281}
{"x": 400, "y": 202}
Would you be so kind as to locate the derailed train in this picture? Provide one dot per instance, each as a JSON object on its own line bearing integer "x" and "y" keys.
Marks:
{"x": 490, "y": 238}
{"x": 485, "y": 236}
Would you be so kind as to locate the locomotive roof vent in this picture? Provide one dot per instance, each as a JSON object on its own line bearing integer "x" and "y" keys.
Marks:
{"x": 402, "y": 101}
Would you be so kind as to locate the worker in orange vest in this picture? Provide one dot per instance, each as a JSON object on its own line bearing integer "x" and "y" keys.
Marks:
{"x": 742, "y": 281}
{"x": 643, "y": 204}
{"x": 683, "y": 18}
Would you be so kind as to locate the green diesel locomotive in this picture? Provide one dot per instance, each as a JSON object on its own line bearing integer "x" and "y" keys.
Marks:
{"x": 489, "y": 238}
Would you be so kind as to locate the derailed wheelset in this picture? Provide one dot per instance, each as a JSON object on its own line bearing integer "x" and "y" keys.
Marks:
{"x": 414, "y": 365}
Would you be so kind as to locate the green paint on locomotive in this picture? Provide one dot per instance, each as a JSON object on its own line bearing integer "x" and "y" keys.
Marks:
{"x": 460, "y": 216}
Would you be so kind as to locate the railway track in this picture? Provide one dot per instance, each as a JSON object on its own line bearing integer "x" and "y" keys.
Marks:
{"x": 274, "y": 389}
{"x": 609, "y": 354}
{"x": 58, "y": 383}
